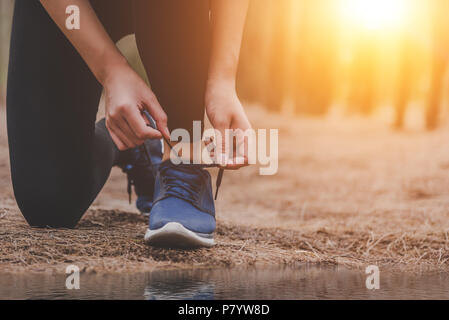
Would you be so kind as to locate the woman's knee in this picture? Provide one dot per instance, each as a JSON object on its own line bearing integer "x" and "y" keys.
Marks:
{"x": 49, "y": 210}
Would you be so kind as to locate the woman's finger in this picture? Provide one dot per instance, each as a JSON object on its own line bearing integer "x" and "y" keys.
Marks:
{"x": 242, "y": 147}
{"x": 208, "y": 141}
{"x": 120, "y": 135}
{"x": 119, "y": 143}
{"x": 221, "y": 147}
{"x": 239, "y": 156}
{"x": 140, "y": 126}
{"x": 128, "y": 131}
{"x": 240, "y": 127}
{"x": 160, "y": 117}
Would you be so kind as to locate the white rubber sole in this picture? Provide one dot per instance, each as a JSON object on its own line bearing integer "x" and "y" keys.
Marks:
{"x": 175, "y": 235}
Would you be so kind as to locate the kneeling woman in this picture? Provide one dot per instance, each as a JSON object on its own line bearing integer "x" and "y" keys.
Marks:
{"x": 61, "y": 158}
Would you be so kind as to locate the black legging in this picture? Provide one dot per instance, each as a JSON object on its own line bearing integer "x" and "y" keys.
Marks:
{"x": 60, "y": 159}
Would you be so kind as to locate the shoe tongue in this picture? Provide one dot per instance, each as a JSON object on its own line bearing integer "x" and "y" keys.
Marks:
{"x": 187, "y": 182}
{"x": 182, "y": 174}
{"x": 187, "y": 168}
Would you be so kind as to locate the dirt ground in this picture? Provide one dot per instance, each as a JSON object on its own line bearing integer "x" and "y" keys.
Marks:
{"x": 349, "y": 191}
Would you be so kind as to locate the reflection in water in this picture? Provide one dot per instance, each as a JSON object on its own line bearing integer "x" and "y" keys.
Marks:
{"x": 304, "y": 282}
{"x": 182, "y": 291}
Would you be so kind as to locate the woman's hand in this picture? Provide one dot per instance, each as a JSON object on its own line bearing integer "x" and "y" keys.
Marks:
{"x": 223, "y": 107}
{"x": 225, "y": 111}
{"x": 127, "y": 95}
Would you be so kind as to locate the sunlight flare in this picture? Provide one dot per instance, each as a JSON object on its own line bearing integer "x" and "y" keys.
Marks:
{"x": 374, "y": 14}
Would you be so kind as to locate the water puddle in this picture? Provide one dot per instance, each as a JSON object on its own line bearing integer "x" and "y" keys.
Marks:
{"x": 304, "y": 282}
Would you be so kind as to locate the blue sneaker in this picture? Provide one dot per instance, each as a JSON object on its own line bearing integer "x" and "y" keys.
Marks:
{"x": 183, "y": 211}
{"x": 138, "y": 166}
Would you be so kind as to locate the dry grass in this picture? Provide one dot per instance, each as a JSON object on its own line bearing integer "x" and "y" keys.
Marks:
{"x": 349, "y": 192}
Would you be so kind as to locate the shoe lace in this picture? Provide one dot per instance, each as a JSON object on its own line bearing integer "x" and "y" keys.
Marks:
{"x": 152, "y": 124}
{"x": 187, "y": 186}
{"x": 130, "y": 181}
{"x": 184, "y": 181}
{"x": 134, "y": 170}
{"x": 192, "y": 167}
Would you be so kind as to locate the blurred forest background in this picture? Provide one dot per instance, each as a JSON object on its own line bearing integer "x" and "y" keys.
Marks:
{"x": 315, "y": 57}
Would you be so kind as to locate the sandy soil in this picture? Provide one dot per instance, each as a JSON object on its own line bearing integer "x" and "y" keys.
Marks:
{"x": 349, "y": 191}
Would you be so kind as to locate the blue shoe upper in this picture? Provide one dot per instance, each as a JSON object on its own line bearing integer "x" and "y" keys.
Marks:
{"x": 138, "y": 166}
{"x": 183, "y": 194}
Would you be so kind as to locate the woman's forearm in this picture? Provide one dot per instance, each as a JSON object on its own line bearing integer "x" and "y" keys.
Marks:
{"x": 228, "y": 21}
{"x": 126, "y": 94}
{"x": 223, "y": 107}
{"x": 91, "y": 40}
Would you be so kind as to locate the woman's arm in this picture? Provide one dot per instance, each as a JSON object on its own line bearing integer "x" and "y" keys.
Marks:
{"x": 228, "y": 21}
{"x": 91, "y": 40}
{"x": 223, "y": 107}
{"x": 126, "y": 93}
